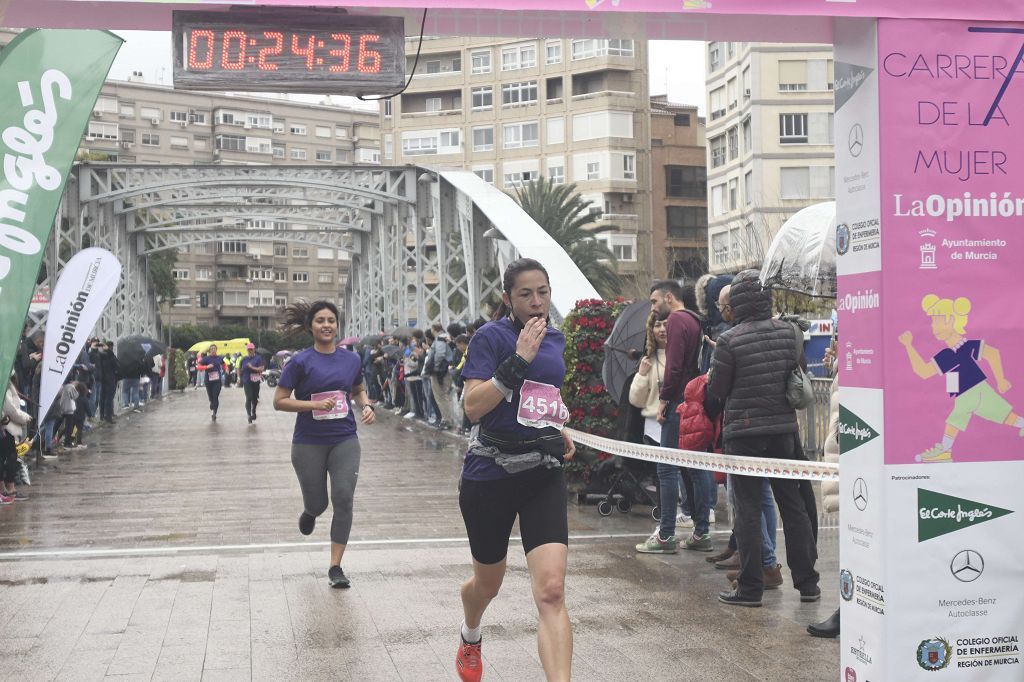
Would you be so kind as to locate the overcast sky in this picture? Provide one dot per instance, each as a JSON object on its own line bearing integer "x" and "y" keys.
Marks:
{"x": 676, "y": 67}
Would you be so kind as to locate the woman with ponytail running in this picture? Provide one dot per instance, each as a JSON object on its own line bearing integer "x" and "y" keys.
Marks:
{"x": 327, "y": 383}
{"x": 212, "y": 367}
{"x": 514, "y": 371}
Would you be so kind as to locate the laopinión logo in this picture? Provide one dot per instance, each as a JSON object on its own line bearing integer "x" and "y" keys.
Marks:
{"x": 934, "y": 653}
{"x": 846, "y": 585}
{"x": 842, "y": 238}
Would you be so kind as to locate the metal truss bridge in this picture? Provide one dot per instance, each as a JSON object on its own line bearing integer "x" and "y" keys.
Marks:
{"x": 425, "y": 245}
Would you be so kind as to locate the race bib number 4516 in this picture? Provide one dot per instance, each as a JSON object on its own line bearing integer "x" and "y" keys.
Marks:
{"x": 541, "y": 405}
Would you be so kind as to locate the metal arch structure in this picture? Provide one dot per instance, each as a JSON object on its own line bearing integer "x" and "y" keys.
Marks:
{"x": 425, "y": 246}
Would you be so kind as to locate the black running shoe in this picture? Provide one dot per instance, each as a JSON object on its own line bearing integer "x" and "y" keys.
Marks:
{"x": 734, "y": 598}
{"x": 336, "y": 577}
{"x": 307, "y": 522}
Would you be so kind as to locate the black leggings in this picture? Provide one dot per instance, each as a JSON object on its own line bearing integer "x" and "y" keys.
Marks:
{"x": 8, "y": 457}
{"x": 252, "y": 397}
{"x": 489, "y": 509}
{"x": 213, "y": 391}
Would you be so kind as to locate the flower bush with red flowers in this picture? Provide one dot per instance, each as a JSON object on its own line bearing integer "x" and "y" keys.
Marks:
{"x": 591, "y": 409}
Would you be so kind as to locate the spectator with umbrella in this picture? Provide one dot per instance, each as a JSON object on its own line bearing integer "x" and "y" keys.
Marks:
{"x": 135, "y": 359}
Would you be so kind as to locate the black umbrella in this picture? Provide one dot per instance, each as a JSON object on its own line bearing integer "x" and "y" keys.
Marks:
{"x": 624, "y": 347}
{"x": 370, "y": 339}
{"x": 402, "y": 332}
{"x": 391, "y": 351}
{"x": 135, "y": 354}
{"x": 263, "y": 351}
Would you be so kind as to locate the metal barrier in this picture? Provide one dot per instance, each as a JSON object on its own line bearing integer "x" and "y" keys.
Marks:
{"x": 814, "y": 420}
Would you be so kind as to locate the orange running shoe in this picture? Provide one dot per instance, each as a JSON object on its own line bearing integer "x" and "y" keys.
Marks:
{"x": 467, "y": 661}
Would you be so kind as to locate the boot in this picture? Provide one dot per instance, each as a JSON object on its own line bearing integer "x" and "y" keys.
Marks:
{"x": 732, "y": 563}
{"x": 721, "y": 556}
{"x": 828, "y": 628}
{"x": 772, "y": 577}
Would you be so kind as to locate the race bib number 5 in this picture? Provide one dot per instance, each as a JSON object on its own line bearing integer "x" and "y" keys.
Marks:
{"x": 541, "y": 405}
{"x": 340, "y": 410}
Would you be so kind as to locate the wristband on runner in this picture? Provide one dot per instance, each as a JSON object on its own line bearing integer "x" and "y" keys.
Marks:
{"x": 512, "y": 372}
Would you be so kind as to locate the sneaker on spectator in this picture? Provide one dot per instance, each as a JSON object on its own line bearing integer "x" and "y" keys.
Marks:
{"x": 19, "y": 495}
{"x": 683, "y": 521}
{"x": 699, "y": 543}
{"x": 409, "y": 415}
{"x": 6, "y": 499}
{"x": 655, "y": 545}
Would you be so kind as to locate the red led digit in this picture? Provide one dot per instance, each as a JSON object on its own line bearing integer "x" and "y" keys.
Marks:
{"x": 277, "y": 49}
{"x": 344, "y": 54}
{"x": 307, "y": 52}
{"x": 369, "y": 60}
{"x": 193, "y": 44}
{"x": 225, "y": 56}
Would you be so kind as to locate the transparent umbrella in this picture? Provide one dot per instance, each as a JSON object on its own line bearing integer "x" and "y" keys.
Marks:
{"x": 802, "y": 256}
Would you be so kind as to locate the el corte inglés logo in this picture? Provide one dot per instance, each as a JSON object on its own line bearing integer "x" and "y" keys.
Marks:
{"x": 938, "y": 514}
{"x": 853, "y": 431}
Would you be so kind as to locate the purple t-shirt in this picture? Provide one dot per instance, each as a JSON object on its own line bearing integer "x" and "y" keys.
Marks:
{"x": 310, "y": 372}
{"x": 963, "y": 361}
{"x": 247, "y": 364}
{"x": 489, "y": 347}
{"x": 215, "y": 365}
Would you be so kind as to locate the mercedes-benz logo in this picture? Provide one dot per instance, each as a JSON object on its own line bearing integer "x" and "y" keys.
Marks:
{"x": 967, "y": 566}
{"x": 855, "y": 140}
{"x": 860, "y": 494}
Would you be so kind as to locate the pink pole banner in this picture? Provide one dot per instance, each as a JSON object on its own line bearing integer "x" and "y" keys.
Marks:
{"x": 952, "y": 207}
{"x": 947, "y": 9}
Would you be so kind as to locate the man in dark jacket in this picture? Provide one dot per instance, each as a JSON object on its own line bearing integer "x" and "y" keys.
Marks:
{"x": 749, "y": 370}
{"x": 108, "y": 373}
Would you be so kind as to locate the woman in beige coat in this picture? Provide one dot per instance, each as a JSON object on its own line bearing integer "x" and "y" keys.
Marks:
{"x": 646, "y": 386}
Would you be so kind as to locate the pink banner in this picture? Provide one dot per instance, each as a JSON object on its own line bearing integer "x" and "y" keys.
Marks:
{"x": 993, "y": 9}
{"x": 952, "y": 207}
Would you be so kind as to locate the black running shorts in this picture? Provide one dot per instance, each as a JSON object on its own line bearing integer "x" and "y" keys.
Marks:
{"x": 489, "y": 509}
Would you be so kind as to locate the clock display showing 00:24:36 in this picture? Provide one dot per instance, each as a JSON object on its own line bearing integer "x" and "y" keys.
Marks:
{"x": 267, "y": 51}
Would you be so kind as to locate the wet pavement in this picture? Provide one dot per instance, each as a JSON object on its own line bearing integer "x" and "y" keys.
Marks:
{"x": 169, "y": 550}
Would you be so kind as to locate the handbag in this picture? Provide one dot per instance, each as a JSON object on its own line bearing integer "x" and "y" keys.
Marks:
{"x": 799, "y": 393}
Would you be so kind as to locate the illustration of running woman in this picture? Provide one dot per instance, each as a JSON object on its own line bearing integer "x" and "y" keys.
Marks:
{"x": 966, "y": 382}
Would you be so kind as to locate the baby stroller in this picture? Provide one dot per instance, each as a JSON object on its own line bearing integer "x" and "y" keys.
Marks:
{"x": 629, "y": 478}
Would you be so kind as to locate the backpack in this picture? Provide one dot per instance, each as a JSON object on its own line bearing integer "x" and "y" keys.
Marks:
{"x": 696, "y": 430}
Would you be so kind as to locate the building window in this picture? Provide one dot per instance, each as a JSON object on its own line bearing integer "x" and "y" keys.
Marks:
{"x": 745, "y": 82}
{"x": 180, "y": 274}
{"x": 178, "y": 142}
{"x": 280, "y": 301}
{"x": 300, "y": 252}
{"x": 151, "y": 139}
{"x": 279, "y": 127}
{"x": 814, "y": 182}
{"x": 234, "y": 247}
{"x": 126, "y": 110}
{"x": 720, "y": 248}
{"x": 280, "y": 275}
{"x": 714, "y": 57}
{"x": 485, "y": 174}
{"x": 600, "y": 124}
{"x": 177, "y": 116}
{"x": 433, "y": 104}
{"x": 482, "y": 97}
{"x": 261, "y": 274}
{"x": 204, "y": 274}
{"x": 480, "y": 61}
{"x": 201, "y": 142}
{"x": 519, "y": 93}
{"x": 150, "y": 114}
{"x": 102, "y": 131}
{"x": 686, "y": 222}
{"x": 686, "y": 182}
{"x": 629, "y": 167}
{"x": 387, "y": 108}
{"x": 298, "y": 154}
{"x": 389, "y": 147}
{"x": 483, "y": 139}
{"x": 324, "y": 277}
{"x": 733, "y": 136}
{"x": 520, "y": 178}
{"x": 748, "y": 188}
{"x": 322, "y": 131}
{"x": 734, "y": 190}
{"x": 432, "y": 66}
{"x": 748, "y": 137}
{"x": 585, "y": 49}
{"x": 280, "y": 250}
{"x": 127, "y": 135}
{"x": 554, "y": 51}
{"x": 792, "y": 75}
{"x": 556, "y": 174}
{"x": 593, "y": 170}
{"x": 717, "y": 148}
{"x": 230, "y": 143}
{"x": 681, "y": 120}
{"x": 258, "y": 145}
{"x": 323, "y": 154}
{"x": 298, "y": 128}
{"x": 521, "y": 135}
{"x": 556, "y": 130}
{"x": 203, "y": 297}
{"x": 718, "y": 103}
{"x": 300, "y": 277}
{"x": 792, "y": 128}
{"x": 522, "y": 56}
{"x": 718, "y": 200}
{"x": 622, "y": 246}
{"x": 278, "y": 151}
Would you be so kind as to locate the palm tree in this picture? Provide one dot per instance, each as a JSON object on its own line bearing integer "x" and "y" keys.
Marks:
{"x": 569, "y": 221}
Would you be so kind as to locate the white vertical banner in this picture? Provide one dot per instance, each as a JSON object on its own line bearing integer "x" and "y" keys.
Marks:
{"x": 82, "y": 292}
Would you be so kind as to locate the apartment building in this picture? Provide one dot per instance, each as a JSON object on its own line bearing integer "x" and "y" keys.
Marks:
{"x": 769, "y": 143}
{"x": 512, "y": 110}
{"x": 679, "y": 215}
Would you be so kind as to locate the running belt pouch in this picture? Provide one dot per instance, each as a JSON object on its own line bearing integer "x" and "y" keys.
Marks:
{"x": 549, "y": 442}
{"x": 799, "y": 393}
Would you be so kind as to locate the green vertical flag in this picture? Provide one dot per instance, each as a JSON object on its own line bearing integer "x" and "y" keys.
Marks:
{"x": 49, "y": 81}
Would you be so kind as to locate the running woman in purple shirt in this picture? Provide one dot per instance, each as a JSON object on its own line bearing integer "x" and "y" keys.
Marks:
{"x": 514, "y": 371}
{"x": 328, "y": 385}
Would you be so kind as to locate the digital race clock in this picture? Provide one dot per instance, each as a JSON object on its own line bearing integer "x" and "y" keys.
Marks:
{"x": 289, "y": 50}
